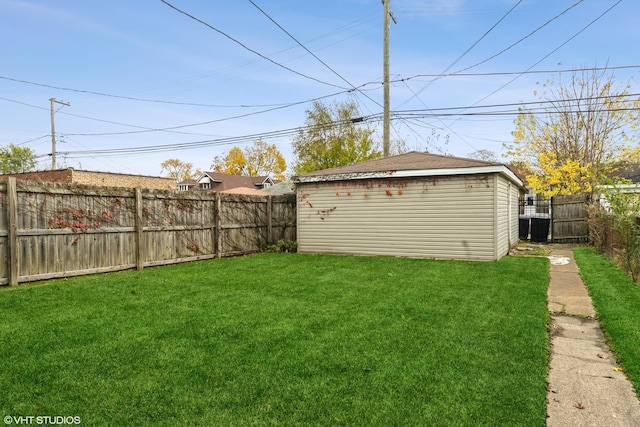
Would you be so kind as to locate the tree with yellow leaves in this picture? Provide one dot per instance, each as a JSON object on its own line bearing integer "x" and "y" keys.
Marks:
{"x": 179, "y": 170}
{"x": 561, "y": 179}
{"x": 256, "y": 160}
{"x": 582, "y": 134}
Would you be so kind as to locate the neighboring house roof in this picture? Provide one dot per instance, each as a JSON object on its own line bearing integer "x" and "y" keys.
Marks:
{"x": 246, "y": 190}
{"x": 630, "y": 172}
{"x": 280, "y": 188}
{"x": 224, "y": 181}
{"x": 412, "y": 164}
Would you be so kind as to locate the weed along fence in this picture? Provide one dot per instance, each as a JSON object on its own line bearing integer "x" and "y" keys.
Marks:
{"x": 50, "y": 231}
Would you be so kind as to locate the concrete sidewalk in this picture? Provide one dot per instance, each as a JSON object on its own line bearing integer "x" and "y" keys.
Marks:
{"x": 586, "y": 388}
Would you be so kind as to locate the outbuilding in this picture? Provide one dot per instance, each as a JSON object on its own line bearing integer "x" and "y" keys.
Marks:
{"x": 416, "y": 205}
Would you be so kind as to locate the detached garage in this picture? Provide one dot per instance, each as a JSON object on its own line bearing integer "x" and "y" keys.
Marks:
{"x": 415, "y": 205}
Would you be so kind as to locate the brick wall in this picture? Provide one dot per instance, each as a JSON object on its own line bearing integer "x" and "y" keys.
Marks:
{"x": 106, "y": 179}
{"x": 59, "y": 176}
{"x": 101, "y": 179}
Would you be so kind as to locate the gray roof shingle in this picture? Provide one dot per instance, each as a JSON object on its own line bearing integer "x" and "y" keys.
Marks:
{"x": 413, "y": 160}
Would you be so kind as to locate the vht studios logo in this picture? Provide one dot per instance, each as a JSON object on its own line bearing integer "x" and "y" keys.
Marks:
{"x": 41, "y": 420}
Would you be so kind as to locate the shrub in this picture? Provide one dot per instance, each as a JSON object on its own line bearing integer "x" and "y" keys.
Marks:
{"x": 618, "y": 232}
{"x": 283, "y": 246}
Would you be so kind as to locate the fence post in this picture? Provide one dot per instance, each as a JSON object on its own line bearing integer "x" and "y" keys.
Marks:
{"x": 269, "y": 220}
{"x": 217, "y": 221}
{"x": 12, "y": 217}
{"x": 139, "y": 229}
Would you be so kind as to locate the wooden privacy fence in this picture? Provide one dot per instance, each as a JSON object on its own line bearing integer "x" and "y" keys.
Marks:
{"x": 569, "y": 218}
{"x": 50, "y": 231}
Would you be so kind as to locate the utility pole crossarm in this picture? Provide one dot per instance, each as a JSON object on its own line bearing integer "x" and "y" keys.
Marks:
{"x": 54, "y": 101}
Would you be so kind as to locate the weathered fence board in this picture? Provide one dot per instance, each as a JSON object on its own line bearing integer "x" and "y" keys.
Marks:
{"x": 49, "y": 231}
{"x": 570, "y": 222}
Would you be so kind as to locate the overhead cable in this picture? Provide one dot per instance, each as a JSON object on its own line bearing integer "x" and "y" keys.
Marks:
{"x": 501, "y": 52}
{"x": 247, "y": 47}
{"x": 312, "y": 54}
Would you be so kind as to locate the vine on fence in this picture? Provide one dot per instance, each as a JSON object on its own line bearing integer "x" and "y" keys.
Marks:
{"x": 77, "y": 221}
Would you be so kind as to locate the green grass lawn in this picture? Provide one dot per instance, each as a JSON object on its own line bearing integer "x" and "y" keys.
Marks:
{"x": 283, "y": 339}
{"x": 616, "y": 299}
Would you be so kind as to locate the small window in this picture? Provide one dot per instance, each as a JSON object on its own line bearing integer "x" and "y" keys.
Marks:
{"x": 205, "y": 185}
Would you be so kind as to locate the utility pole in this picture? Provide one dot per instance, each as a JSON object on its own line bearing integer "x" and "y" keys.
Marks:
{"x": 53, "y": 128}
{"x": 386, "y": 125}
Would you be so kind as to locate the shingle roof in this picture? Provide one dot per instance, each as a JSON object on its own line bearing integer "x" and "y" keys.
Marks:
{"x": 280, "y": 188}
{"x": 413, "y": 160}
{"x": 413, "y": 164}
{"x": 225, "y": 181}
{"x": 228, "y": 181}
{"x": 246, "y": 190}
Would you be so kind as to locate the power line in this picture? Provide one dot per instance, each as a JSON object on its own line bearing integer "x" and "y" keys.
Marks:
{"x": 553, "y": 51}
{"x": 523, "y": 38}
{"x": 130, "y": 98}
{"x": 170, "y": 129}
{"x": 247, "y": 47}
{"x": 398, "y": 115}
{"x": 416, "y": 95}
{"x": 502, "y": 51}
{"x": 483, "y": 36}
{"x": 523, "y": 104}
{"x": 509, "y": 73}
{"x": 32, "y": 140}
{"x": 360, "y": 88}
{"x": 543, "y": 58}
{"x": 173, "y": 128}
{"x": 475, "y": 106}
{"x": 310, "y": 52}
{"x": 24, "y": 103}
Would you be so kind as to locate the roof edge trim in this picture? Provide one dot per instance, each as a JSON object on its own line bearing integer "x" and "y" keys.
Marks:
{"x": 501, "y": 169}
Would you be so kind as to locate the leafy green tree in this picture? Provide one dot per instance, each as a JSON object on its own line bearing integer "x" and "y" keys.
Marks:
{"x": 256, "y": 160}
{"x": 331, "y": 138}
{"x": 584, "y": 131}
{"x": 16, "y": 159}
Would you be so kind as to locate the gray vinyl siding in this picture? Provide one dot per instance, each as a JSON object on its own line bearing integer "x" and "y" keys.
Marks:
{"x": 451, "y": 217}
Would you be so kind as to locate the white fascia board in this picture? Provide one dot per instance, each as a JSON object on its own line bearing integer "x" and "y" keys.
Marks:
{"x": 209, "y": 178}
{"x": 415, "y": 173}
{"x": 621, "y": 187}
{"x": 202, "y": 177}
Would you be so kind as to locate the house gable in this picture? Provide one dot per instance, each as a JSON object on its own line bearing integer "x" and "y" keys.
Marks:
{"x": 216, "y": 181}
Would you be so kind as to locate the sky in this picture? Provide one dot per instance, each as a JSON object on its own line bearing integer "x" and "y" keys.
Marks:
{"x": 152, "y": 80}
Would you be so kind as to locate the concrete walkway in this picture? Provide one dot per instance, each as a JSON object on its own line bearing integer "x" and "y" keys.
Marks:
{"x": 586, "y": 388}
